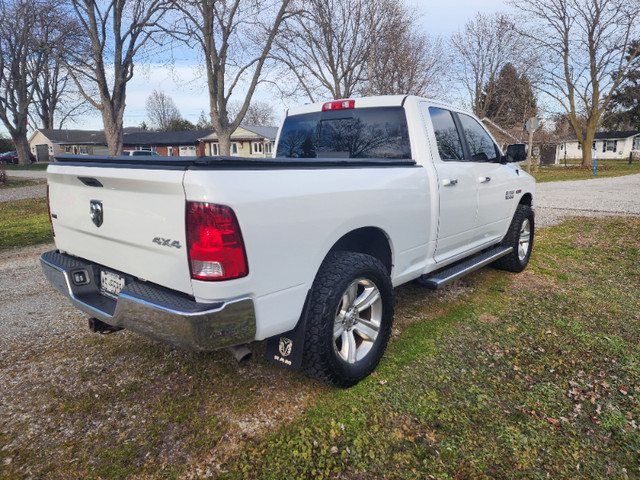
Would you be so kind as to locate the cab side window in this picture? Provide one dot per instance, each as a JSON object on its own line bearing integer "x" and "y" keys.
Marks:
{"x": 447, "y": 136}
{"x": 481, "y": 146}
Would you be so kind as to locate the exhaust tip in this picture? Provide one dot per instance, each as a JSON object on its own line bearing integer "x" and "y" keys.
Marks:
{"x": 98, "y": 326}
{"x": 241, "y": 353}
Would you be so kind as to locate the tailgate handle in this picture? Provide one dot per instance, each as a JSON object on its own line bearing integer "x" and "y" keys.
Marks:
{"x": 90, "y": 182}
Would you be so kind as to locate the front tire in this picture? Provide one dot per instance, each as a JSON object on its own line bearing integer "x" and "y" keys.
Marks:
{"x": 520, "y": 237}
{"x": 349, "y": 318}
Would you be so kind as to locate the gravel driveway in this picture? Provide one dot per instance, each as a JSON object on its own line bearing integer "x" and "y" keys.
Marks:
{"x": 35, "y": 191}
{"x": 40, "y": 174}
{"x": 598, "y": 197}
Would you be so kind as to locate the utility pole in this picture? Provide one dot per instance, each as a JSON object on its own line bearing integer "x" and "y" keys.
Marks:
{"x": 531, "y": 125}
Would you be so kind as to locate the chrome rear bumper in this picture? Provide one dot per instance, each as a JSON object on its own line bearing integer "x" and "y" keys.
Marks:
{"x": 150, "y": 310}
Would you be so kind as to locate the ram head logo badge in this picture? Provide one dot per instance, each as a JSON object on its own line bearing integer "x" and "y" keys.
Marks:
{"x": 285, "y": 346}
{"x": 96, "y": 213}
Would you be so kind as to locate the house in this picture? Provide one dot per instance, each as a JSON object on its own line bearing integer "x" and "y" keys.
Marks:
{"x": 170, "y": 144}
{"x": 616, "y": 145}
{"x": 48, "y": 142}
{"x": 246, "y": 141}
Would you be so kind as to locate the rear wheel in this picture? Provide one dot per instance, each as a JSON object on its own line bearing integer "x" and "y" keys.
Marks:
{"x": 520, "y": 237}
{"x": 349, "y": 319}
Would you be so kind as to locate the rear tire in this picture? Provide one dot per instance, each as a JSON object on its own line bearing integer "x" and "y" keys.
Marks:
{"x": 349, "y": 318}
{"x": 520, "y": 237}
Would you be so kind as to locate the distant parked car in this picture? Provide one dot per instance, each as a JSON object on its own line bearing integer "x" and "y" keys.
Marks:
{"x": 11, "y": 158}
{"x": 140, "y": 153}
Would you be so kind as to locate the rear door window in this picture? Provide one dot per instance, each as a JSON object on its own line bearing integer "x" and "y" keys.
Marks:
{"x": 379, "y": 132}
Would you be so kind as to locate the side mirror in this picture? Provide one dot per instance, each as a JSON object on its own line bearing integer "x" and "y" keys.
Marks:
{"x": 517, "y": 152}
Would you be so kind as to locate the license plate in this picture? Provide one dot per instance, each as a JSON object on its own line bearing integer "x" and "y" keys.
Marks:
{"x": 111, "y": 284}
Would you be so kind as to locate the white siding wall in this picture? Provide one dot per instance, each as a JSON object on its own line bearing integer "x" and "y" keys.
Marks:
{"x": 623, "y": 147}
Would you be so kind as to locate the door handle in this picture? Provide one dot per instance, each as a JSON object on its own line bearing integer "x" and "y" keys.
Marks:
{"x": 449, "y": 182}
{"x": 484, "y": 179}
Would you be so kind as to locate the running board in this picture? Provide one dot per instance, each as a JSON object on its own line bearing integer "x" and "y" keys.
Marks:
{"x": 443, "y": 277}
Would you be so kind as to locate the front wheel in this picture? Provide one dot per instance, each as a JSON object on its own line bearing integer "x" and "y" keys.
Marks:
{"x": 349, "y": 319}
{"x": 520, "y": 237}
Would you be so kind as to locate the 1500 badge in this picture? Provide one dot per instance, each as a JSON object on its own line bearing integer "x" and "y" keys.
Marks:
{"x": 167, "y": 242}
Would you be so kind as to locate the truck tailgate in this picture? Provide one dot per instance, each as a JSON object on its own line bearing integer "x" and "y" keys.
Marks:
{"x": 142, "y": 229}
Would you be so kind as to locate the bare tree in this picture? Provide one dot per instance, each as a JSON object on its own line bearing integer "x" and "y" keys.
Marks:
{"x": 162, "y": 111}
{"x": 328, "y": 45}
{"x": 21, "y": 59}
{"x": 402, "y": 59}
{"x": 486, "y": 45}
{"x": 235, "y": 38}
{"x": 56, "y": 97}
{"x": 586, "y": 42}
{"x": 258, "y": 113}
{"x": 117, "y": 31}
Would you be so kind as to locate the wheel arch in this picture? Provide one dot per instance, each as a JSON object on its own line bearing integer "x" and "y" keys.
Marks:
{"x": 368, "y": 240}
{"x": 527, "y": 199}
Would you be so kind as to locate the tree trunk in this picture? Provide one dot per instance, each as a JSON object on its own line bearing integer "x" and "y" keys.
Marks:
{"x": 224, "y": 141}
{"x": 22, "y": 147}
{"x": 587, "y": 146}
{"x": 112, "y": 129}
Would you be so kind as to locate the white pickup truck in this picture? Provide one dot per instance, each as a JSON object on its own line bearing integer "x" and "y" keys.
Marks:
{"x": 303, "y": 249}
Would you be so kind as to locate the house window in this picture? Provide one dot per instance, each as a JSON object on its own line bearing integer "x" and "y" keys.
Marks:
{"x": 50, "y": 149}
{"x": 170, "y": 151}
{"x": 215, "y": 149}
{"x": 268, "y": 148}
{"x": 579, "y": 146}
{"x": 636, "y": 143}
{"x": 84, "y": 150}
{"x": 67, "y": 149}
{"x": 234, "y": 148}
{"x": 256, "y": 147}
{"x": 610, "y": 146}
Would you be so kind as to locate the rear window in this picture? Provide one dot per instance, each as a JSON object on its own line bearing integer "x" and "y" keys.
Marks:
{"x": 379, "y": 132}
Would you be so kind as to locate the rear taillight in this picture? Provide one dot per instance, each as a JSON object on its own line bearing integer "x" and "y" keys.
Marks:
{"x": 49, "y": 211}
{"x": 216, "y": 249}
{"x": 339, "y": 105}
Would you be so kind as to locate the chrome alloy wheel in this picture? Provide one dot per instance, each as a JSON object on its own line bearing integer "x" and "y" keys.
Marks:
{"x": 357, "y": 321}
{"x": 525, "y": 239}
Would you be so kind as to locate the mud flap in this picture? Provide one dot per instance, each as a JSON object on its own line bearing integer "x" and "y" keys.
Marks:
{"x": 286, "y": 349}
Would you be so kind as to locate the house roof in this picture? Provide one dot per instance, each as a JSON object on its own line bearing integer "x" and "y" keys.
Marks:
{"x": 77, "y": 137}
{"x": 607, "y": 135}
{"x": 90, "y": 137}
{"x": 615, "y": 135}
{"x": 256, "y": 131}
{"x": 266, "y": 132}
{"x": 190, "y": 137}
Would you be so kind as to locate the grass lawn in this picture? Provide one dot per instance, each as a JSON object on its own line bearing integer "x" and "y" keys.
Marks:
{"x": 33, "y": 166}
{"x": 604, "y": 168}
{"x": 14, "y": 182}
{"x": 535, "y": 375}
{"x": 24, "y": 223}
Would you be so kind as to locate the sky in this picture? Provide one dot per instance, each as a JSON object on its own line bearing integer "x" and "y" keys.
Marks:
{"x": 187, "y": 87}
